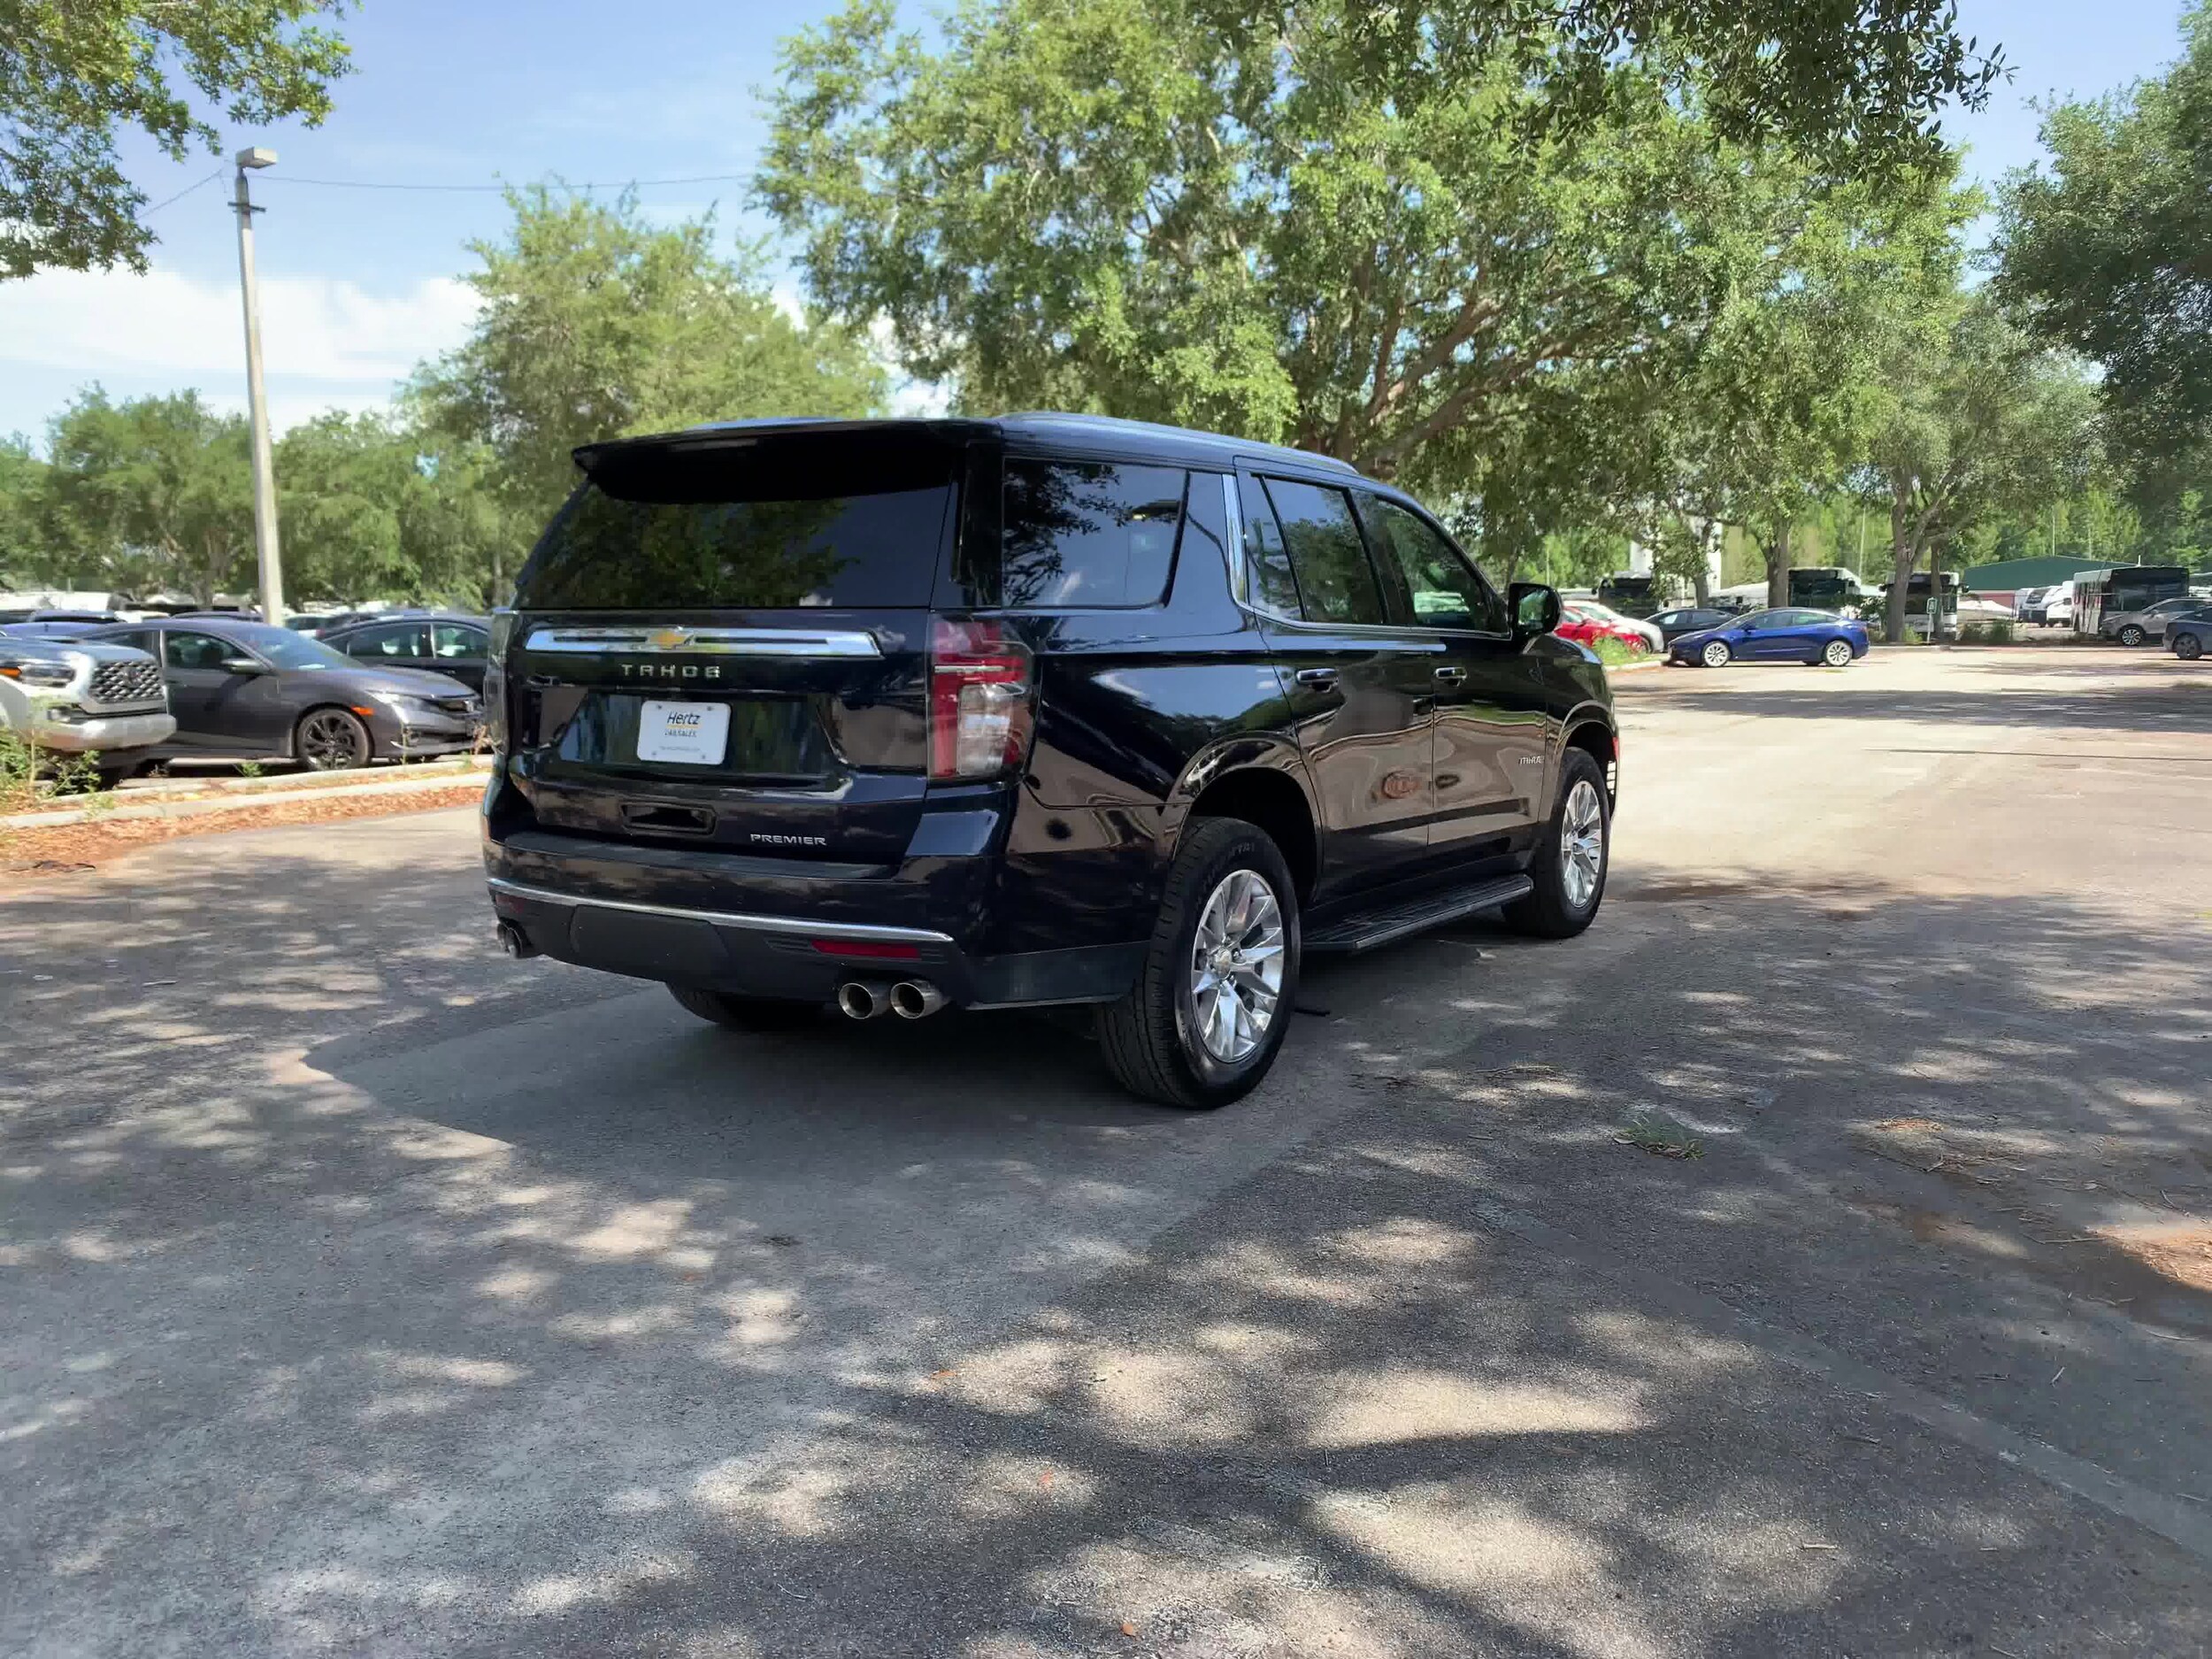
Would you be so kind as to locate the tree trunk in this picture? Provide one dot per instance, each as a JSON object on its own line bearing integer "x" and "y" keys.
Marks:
{"x": 1777, "y": 557}
{"x": 1902, "y": 558}
{"x": 1935, "y": 590}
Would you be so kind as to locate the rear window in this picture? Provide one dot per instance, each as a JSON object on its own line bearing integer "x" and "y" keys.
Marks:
{"x": 766, "y": 527}
{"x": 1080, "y": 533}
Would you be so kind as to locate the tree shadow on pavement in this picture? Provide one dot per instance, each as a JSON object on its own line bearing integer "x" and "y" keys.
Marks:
{"x": 560, "y": 1323}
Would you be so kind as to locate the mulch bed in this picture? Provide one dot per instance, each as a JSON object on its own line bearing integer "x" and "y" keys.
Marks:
{"x": 67, "y": 848}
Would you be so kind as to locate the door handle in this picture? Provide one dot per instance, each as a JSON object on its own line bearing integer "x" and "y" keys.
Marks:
{"x": 1322, "y": 679}
{"x": 1451, "y": 676}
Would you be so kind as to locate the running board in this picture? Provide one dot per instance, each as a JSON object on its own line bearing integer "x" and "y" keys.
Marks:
{"x": 1369, "y": 930}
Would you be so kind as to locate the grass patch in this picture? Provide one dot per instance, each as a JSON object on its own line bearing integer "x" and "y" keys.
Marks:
{"x": 1615, "y": 653}
{"x": 1659, "y": 1134}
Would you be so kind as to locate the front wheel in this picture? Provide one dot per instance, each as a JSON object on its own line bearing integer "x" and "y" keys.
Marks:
{"x": 2131, "y": 635}
{"x": 1572, "y": 858}
{"x": 331, "y": 740}
{"x": 2188, "y": 646}
{"x": 1715, "y": 654}
{"x": 1837, "y": 654}
{"x": 1208, "y": 1014}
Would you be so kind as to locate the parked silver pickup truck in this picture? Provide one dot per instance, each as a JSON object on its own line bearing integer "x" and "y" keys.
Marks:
{"x": 83, "y": 698}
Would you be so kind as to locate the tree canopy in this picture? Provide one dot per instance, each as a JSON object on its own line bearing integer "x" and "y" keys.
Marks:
{"x": 73, "y": 74}
{"x": 2106, "y": 253}
{"x": 596, "y": 325}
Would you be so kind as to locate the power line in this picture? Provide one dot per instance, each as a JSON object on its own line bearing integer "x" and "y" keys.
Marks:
{"x": 188, "y": 190}
{"x": 626, "y": 184}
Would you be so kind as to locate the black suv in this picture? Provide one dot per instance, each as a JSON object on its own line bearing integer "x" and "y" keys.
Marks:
{"x": 1049, "y": 709}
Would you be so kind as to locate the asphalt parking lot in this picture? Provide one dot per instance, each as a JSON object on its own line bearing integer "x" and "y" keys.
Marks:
{"x": 365, "y": 1293}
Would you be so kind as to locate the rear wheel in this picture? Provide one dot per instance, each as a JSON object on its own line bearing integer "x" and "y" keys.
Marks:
{"x": 1572, "y": 858}
{"x": 746, "y": 1013}
{"x": 1837, "y": 654}
{"x": 1208, "y": 1014}
{"x": 2188, "y": 646}
{"x": 331, "y": 740}
{"x": 2131, "y": 635}
{"x": 1715, "y": 654}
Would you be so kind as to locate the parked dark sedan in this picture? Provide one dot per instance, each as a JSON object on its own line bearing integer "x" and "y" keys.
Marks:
{"x": 1775, "y": 636}
{"x": 245, "y": 688}
{"x": 439, "y": 642}
{"x": 1690, "y": 620}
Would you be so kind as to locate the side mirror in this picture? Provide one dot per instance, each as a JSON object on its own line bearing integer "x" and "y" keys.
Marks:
{"x": 1535, "y": 609}
{"x": 244, "y": 665}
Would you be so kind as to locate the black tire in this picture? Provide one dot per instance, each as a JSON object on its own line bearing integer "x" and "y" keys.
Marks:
{"x": 2131, "y": 635}
{"x": 1715, "y": 654}
{"x": 332, "y": 740}
{"x": 2188, "y": 646}
{"x": 746, "y": 1013}
{"x": 1550, "y": 912}
{"x": 1150, "y": 1037}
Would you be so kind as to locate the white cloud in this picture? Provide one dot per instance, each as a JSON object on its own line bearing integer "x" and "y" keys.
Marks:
{"x": 327, "y": 341}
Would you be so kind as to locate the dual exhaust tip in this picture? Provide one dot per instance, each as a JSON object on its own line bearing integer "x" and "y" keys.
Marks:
{"x": 870, "y": 999}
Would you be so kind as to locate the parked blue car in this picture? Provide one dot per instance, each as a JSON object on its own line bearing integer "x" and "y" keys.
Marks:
{"x": 1775, "y": 636}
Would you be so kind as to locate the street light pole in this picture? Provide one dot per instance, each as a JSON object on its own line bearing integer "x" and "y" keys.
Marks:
{"x": 264, "y": 505}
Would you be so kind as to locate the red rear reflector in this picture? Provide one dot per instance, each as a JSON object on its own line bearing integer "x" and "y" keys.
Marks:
{"x": 868, "y": 948}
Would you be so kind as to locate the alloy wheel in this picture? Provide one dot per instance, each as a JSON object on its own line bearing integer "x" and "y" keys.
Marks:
{"x": 1837, "y": 655}
{"x": 1581, "y": 844}
{"x": 331, "y": 741}
{"x": 1237, "y": 965}
{"x": 1716, "y": 655}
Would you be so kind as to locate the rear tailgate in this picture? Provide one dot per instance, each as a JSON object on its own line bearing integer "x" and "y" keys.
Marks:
{"x": 724, "y": 645}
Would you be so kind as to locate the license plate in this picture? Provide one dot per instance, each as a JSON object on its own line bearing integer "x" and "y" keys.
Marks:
{"x": 684, "y": 733}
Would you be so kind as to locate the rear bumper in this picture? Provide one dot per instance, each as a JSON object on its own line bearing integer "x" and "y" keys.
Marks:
{"x": 781, "y": 927}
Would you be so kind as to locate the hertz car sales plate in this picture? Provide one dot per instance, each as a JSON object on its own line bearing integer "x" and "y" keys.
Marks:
{"x": 684, "y": 733}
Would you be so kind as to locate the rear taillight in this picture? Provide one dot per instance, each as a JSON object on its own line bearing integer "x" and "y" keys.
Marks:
{"x": 495, "y": 710}
{"x": 978, "y": 699}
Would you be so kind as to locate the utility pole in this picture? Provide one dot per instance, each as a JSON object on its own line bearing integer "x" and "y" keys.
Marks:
{"x": 264, "y": 505}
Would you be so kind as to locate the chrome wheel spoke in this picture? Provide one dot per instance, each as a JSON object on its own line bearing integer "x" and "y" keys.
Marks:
{"x": 1237, "y": 963}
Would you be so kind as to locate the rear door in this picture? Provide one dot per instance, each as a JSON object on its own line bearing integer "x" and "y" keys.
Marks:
{"x": 723, "y": 641}
{"x": 1492, "y": 732}
{"x": 1361, "y": 687}
{"x": 457, "y": 650}
{"x": 389, "y": 645}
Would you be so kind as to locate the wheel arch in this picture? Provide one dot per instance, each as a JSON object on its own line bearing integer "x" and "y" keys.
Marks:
{"x": 1262, "y": 780}
{"x": 1591, "y": 728}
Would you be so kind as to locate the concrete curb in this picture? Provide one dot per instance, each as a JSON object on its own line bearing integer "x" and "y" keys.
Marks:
{"x": 200, "y": 807}
{"x": 184, "y": 787}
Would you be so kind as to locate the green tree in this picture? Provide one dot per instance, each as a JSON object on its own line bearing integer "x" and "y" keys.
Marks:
{"x": 1421, "y": 239}
{"x": 2106, "y": 254}
{"x": 1821, "y": 288}
{"x": 74, "y": 72}
{"x": 596, "y": 325}
{"x": 149, "y": 494}
{"x": 1983, "y": 421}
{"x": 22, "y": 538}
{"x": 374, "y": 507}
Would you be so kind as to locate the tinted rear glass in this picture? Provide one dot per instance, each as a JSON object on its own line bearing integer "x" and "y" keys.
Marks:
{"x": 766, "y": 527}
{"x": 1083, "y": 533}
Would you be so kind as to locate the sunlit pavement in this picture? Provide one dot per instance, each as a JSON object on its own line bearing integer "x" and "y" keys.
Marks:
{"x": 361, "y": 1292}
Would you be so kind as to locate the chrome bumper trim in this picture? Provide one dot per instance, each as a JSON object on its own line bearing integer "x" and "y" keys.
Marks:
{"x": 730, "y": 918}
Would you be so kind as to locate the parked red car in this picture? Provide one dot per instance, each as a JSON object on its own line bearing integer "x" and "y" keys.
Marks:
{"x": 1586, "y": 626}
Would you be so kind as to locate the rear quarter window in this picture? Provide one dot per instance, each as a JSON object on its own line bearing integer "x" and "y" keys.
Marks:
{"x": 1085, "y": 533}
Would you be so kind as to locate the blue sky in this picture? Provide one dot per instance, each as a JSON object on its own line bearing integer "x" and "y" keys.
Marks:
{"x": 359, "y": 285}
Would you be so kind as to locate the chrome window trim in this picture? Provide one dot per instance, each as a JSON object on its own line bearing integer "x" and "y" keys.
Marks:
{"x": 705, "y": 641}
{"x": 729, "y": 919}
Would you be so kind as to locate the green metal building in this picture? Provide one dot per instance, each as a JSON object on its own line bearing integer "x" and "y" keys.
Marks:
{"x": 2008, "y": 576}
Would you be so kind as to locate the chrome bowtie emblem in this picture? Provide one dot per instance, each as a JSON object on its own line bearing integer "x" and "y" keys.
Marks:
{"x": 669, "y": 639}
